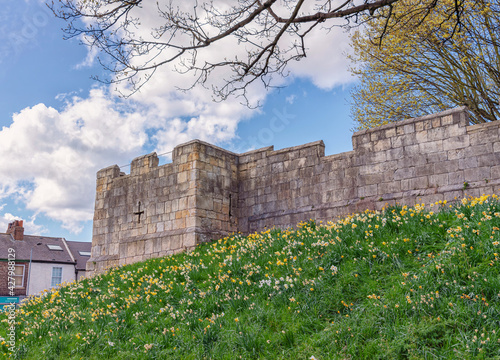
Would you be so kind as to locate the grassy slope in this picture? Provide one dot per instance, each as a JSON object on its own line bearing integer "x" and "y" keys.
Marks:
{"x": 404, "y": 283}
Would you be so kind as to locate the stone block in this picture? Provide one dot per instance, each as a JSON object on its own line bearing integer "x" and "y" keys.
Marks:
{"x": 149, "y": 246}
{"x": 375, "y": 136}
{"x": 163, "y": 244}
{"x": 419, "y": 126}
{"x": 370, "y": 179}
{"x": 190, "y": 241}
{"x": 179, "y": 223}
{"x": 436, "y": 133}
{"x": 409, "y": 128}
{"x": 369, "y": 190}
{"x": 131, "y": 249}
{"x": 412, "y": 151}
{"x": 390, "y": 132}
{"x": 160, "y": 208}
{"x": 176, "y": 242}
{"x": 447, "y": 120}
{"x": 456, "y": 154}
{"x": 467, "y": 163}
{"x": 403, "y": 140}
{"x": 436, "y": 122}
{"x": 389, "y": 187}
{"x": 438, "y": 180}
{"x": 381, "y": 145}
{"x": 394, "y": 154}
{"x": 446, "y": 166}
{"x": 476, "y": 174}
{"x": 495, "y": 172}
{"x": 431, "y": 147}
{"x": 404, "y": 173}
{"x": 182, "y": 177}
{"x": 140, "y": 245}
{"x": 376, "y": 157}
{"x": 456, "y": 178}
{"x": 431, "y": 199}
{"x": 484, "y": 137}
{"x": 477, "y": 150}
{"x": 427, "y": 124}
{"x": 458, "y": 142}
{"x": 422, "y": 136}
{"x": 455, "y": 130}
{"x": 416, "y": 183}
{"x": 427, "y": 169}
{"x": 451, "y": 196}
{"x": 151, "y": 228}
{"x": 488, "y": 159}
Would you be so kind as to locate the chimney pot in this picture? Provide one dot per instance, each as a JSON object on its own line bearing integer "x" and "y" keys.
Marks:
{"x": 16, "y": 229}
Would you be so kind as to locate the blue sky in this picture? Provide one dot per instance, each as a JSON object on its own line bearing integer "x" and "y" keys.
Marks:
{"x": 58, "y": 126}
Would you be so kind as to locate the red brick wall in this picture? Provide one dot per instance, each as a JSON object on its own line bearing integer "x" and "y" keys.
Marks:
{"x": 4, "y": 279}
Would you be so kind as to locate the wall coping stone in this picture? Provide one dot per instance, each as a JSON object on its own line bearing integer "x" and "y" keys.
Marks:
{"x": 391, "y": 125}
{"x": 482, "y": 126}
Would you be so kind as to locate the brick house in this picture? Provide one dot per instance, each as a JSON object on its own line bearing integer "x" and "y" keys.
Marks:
{"x": 53, "y": 261}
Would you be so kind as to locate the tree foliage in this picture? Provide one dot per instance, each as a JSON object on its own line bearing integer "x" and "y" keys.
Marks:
{"x": 260, "y": 37}
{"x": 420, "y": 68}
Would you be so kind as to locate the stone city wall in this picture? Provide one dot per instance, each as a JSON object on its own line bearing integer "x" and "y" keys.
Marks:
{"x": 161, "y": 210}
{"x": 207, "y": 192}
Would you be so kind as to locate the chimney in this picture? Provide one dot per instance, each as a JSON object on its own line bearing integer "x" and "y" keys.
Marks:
{"x": 16, "y": 229}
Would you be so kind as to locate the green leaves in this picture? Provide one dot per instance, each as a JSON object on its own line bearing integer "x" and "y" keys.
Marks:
{"x": 426, "y": 67}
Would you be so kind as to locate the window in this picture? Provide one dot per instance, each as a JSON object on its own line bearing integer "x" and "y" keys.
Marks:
{"x": 54, "y": 247}
{"x": 19, "y": 276}
{"x": 84, "y": 253}
{"x": 56, "y": 276}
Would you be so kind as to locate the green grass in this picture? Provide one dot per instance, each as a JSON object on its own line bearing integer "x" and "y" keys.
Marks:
{"x": 405, "y": 283}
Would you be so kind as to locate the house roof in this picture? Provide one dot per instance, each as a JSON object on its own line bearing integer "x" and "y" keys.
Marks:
{"x": 80, "y": 246}
{"x": 41, "y": 252}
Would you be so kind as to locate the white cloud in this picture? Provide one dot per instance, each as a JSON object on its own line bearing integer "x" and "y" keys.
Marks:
{"x": 49, "y": 157}
{"x": 290, "y": 99}
{"x": 90, "y": 59}
{"x": 326, "y": 64}
{"x": 30, "y": 228}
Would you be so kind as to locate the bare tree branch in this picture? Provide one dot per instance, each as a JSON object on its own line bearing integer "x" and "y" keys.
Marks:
{"x": 131, "y": 51}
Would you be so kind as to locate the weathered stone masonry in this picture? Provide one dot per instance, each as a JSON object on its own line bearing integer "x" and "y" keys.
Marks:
{"x": 208, "y": 192}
